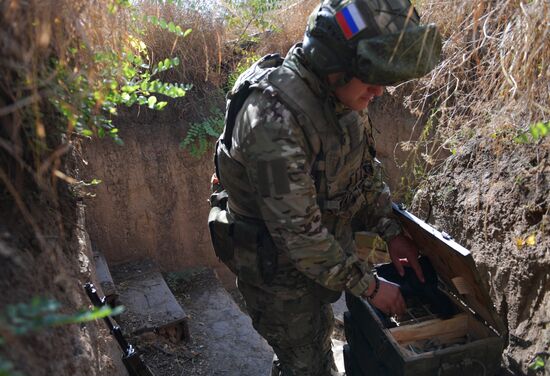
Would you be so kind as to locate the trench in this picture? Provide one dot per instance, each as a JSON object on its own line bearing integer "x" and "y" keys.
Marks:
{"x": 152, "y": 205}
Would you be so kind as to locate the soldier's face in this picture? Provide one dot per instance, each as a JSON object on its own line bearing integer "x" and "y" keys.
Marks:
{"x": 356, "y": 94}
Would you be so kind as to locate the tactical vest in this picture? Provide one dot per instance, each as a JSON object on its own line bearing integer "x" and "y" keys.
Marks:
{"x": 341, "y": 153}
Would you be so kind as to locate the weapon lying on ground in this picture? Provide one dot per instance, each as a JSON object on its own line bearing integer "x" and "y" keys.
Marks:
{"x": 130, "y": 357}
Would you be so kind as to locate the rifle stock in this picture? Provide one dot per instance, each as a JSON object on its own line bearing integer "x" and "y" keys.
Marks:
{"x": 130, "y": 358}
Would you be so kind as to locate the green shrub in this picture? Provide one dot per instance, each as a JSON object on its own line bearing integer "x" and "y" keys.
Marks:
{"x": 201, "y": 136}
{"x": 40, "y": 313}
{"x": 535, "y": 133}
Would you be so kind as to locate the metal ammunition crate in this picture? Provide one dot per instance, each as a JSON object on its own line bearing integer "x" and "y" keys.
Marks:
{"x": 468, "y": 342}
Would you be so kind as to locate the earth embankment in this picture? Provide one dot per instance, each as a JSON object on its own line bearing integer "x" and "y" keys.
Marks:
{"x": 152, "y": 202}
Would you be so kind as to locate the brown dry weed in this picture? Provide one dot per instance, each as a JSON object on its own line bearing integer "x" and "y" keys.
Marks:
{"x": 494, "y": 78}
{"x": 202, "y": 52}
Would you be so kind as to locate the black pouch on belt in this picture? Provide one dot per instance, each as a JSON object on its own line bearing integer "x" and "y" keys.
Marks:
{"x": 221, "y": 224}
{"x": 254, "y": 235}
{"x": 267, "y": 256}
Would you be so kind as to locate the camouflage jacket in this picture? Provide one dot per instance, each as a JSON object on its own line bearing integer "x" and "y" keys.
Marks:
{"x": 306, "y": 169}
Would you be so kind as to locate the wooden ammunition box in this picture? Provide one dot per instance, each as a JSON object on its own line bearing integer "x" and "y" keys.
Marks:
{"x": 468, "y": 342}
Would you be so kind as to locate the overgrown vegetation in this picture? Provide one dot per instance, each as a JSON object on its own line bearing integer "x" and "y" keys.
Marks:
{"x": 25, "y": 318}
{"x": 86, "y": 61}
{"x": 492, "y": 82}
{"x": 486, "y": 160}
{"x": 250, "y": 29}
{"x": 65, "y": 69}
{"x": 200, "y": 135}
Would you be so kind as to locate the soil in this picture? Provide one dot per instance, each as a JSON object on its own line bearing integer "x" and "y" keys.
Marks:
{"x": 201, "y": 355}
{"x": 68, "y": 350}
{"x": 152, "y": 192}
{"x": 222, "y": 342}
{"x": 492, "y": 200}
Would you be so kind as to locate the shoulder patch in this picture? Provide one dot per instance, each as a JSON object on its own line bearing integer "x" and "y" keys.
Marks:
{"x": 273, "y": 177}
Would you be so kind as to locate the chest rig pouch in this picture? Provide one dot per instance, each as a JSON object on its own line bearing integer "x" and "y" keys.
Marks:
{"x": 230, "y": 233}
{"x": 340, "y": 148}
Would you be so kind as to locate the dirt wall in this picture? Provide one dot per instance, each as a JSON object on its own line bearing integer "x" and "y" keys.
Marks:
{"x": 492, "y": 201}
{"x": 69, "y": 350}
{"x": 152, "y": 202}
{"x": 393, "y": 123}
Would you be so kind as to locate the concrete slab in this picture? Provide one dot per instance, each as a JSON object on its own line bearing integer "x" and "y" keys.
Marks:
{"x": 231, "y": 344}
{"x": 150, "y": 305}
{"x": 104, "y": 277}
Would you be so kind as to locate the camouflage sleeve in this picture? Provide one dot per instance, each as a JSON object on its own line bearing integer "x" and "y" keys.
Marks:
{"x": 275, "y": 152}
{"x": 379, "y": 204}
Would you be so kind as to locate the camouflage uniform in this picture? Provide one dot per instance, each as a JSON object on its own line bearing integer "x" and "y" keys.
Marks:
{"x": 305, "y": 175}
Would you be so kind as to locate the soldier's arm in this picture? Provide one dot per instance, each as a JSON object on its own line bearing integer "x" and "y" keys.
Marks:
{"x": 275, "y": 153}
{"x": 379, "y": 212}
{"x": 379, "y": 209}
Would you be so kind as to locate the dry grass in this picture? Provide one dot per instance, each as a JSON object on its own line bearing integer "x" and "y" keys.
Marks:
{"x": 40, "y": 38}
{"x": 202, "y": 52}
{"x": 291, "y": 19}
{"x": 493, "y": 82}
{"x": 36, "y": 38}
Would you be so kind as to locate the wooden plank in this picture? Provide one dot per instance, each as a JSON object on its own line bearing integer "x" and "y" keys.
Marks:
{"x": 449, "y": 329}
{"x": 150, "y": 305}
{"x": 104, "y": 278}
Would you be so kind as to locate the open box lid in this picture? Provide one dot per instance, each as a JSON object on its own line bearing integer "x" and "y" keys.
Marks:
{"x": 454, "y": 264}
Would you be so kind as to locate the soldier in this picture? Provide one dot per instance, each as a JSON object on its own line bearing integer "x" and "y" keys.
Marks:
{"x": 298, "y": 169}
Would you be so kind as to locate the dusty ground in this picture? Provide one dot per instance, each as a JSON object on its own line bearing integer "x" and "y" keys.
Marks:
{"x": 507, "y": 227}
{"x": 223, "y": 342}
{"x": 222, "y": 339}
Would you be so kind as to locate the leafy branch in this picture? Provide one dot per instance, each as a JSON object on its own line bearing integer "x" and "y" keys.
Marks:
{"x": 40, "y": 313}
{"x": 88, "y": 95}
{"x": 168, "y": 25}
{"x": 535, "y": 133}
{"x": 200, "y": 136}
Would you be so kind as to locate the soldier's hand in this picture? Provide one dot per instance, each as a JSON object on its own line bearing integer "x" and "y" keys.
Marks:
{"x": 388, "y": 299}
{"x": 402, "y": 248}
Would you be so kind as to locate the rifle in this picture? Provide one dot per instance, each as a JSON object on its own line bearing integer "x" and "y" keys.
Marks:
{"x": 130, "y": 357}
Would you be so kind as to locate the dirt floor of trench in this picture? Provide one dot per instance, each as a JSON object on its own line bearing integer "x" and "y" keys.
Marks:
{"x": 207, "y": 353}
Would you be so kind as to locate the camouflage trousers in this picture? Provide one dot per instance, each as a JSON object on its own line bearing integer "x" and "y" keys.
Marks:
{"x": 298, "y": 329}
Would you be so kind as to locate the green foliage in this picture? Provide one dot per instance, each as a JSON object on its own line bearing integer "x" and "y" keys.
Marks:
{"x": 535, "y": 133}
{"x": 245, "y": 15}
{"x": 115, "y": 5}
{"x": 40, "y": 313}
{"x": 201, "y": 136}
{"x": 243, "y": 64}
{"x": 538, "y": 363}
{"x": 168, "y": 25}
{"x": 7, "y": 369}
{"x": 88, "y": 95}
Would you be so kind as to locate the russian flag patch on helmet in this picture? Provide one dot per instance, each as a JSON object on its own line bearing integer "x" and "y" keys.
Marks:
{"x": 350, "y": 20}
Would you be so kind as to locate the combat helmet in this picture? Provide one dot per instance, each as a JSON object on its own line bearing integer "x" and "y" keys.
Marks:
{"x": 381, "y": 42}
